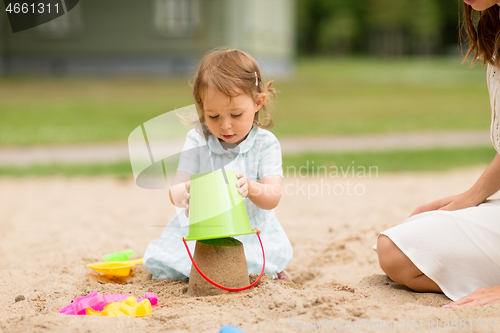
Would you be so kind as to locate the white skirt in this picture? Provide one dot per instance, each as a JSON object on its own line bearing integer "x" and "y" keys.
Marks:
{"x": 459, "y": 250}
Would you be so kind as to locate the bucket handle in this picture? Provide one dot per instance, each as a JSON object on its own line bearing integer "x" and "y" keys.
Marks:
{"x": 226, "y": 288}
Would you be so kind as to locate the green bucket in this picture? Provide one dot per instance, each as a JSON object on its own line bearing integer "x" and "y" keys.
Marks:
{"x": 216, "y": 209}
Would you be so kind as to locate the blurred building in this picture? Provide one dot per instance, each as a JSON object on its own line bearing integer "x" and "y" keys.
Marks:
{"x": 150, "y": 37}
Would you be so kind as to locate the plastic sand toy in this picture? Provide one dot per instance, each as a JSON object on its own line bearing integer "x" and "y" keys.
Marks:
{"x": 98, "y": 302}
{"x": 128, "y": 307}
{"x": 115, "y": 268}
{"x": 119, "y": 256}
{"x": 216, "y": 209}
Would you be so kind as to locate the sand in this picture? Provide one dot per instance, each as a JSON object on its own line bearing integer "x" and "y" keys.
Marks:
{"x": 50, "y": 228}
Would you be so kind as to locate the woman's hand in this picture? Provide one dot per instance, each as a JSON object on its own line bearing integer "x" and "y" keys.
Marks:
{"x": 455, "y": 202}
{"x": 187, "y": 195}
{"x": 481, "y": 296}
{"x": 485, "y": 186}
{"x": 243, "y": 184}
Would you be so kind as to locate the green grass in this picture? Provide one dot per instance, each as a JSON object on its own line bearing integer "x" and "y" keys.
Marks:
{"x": 391, "y": 161}
{"x": 380, "y": 162}
{"x": 324, "y": 97}
{"x": 119, "y": 169}
{"x": 374, "y": 96}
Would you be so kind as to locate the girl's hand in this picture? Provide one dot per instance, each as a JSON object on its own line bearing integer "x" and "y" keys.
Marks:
{"x": 187, "y": 195}
{"x": 243, "y": 184}
{"x": 481, "y": 296}
{"x": 454, "y": 202}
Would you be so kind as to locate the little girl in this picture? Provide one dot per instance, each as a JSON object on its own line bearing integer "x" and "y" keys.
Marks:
{"x": 231, "y": 101}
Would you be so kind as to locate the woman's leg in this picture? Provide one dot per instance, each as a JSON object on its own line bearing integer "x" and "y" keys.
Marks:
{"x": 401, "y": 269}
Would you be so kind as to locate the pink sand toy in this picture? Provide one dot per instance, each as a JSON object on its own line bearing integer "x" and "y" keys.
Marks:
{"x": 97, "y": 302}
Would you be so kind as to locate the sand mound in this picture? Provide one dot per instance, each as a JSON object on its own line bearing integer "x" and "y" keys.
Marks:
{"x": 51, "y": 228}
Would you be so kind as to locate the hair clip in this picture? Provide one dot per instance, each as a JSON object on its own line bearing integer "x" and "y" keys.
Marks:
{"x": 256, "y": 79}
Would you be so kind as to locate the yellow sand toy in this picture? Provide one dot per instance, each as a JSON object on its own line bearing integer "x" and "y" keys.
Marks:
{"x": 128, "y": 307}
{"x": 115, "y": 268}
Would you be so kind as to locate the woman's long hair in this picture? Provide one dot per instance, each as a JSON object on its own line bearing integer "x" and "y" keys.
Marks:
{"x": 484, "y": 36}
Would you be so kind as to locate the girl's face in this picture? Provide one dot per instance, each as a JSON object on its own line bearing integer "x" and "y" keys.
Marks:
{"x": 230, "y": 119}
{"x": 481, "y": 5}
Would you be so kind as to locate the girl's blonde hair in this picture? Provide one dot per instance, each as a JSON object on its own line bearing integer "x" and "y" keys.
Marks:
{"x": 484, "y": 37}
{"x": 233, "y": 72}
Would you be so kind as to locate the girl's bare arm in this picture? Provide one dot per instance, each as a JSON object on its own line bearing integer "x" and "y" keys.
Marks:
{"x": 179, "y": 191}
{"x": 265, "y": 194}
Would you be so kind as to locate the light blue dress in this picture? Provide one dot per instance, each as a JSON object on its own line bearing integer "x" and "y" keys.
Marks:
{"x": 258, "y": 156}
